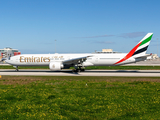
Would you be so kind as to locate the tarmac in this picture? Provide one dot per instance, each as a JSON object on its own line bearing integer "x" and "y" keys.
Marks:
{"x": 131, "y": 73}
{"x": 127, "y": 73}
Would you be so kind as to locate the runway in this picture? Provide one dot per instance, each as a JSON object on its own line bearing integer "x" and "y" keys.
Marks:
{"x": 131, "y": 73}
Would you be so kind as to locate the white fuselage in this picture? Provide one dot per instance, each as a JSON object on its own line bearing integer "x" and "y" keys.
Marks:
{"x": 100, "y": 59}
{"x": 78, "y": 61}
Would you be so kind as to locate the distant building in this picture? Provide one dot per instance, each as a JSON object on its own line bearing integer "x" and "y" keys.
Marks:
{"x": 8, "y": 52}
{"x": 153, "y": 56}
{"x": 107, "y": 51}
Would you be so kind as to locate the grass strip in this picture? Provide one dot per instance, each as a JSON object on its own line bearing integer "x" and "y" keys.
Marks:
{"x": 77, "y": 98}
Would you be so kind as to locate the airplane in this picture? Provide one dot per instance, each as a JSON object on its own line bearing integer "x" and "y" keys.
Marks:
{"x": 56, "y": 61}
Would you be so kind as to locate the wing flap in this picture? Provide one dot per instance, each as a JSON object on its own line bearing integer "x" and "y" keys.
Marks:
{"x": 75, "y": 60}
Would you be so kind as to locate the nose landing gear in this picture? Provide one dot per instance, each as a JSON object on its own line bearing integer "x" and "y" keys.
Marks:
{"x": 16, "y": 68}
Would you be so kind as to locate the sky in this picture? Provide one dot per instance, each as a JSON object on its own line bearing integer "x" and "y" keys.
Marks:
{"x": 78, "y": 26}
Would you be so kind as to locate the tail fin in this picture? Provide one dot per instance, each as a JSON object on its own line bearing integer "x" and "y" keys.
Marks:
{"x": 140, "y": 49}
{"x": 142, "y": 46}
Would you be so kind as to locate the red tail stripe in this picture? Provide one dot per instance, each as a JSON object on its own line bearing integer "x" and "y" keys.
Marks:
{"x": 129, "y": 54}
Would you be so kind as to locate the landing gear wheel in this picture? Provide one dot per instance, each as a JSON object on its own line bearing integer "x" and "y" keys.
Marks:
{"x": 73, "y": 70}
{"x": 82, "y": 70}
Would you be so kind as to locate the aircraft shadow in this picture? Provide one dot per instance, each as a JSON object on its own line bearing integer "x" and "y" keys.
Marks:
{"x": 87, "y": 71}
{"x": 35, "y": 71}
{"x": 123, "y": 71}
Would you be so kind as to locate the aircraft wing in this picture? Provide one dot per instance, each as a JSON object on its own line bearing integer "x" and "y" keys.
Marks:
{"x": 75, "y": 61}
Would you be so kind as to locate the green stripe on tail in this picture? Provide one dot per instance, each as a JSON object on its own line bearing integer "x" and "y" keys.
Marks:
{"x": 146, "y": 40}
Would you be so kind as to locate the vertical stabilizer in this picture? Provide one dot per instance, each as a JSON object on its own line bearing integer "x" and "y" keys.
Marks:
{"x": 139, "y": 50}
{"x": 142, "y": 48}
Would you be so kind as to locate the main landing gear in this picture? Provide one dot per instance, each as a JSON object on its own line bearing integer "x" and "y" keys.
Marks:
{"x": 79, "y": 69}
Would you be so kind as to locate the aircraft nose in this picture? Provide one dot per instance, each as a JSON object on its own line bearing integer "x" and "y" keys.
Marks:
{"x": 6, "y": 61}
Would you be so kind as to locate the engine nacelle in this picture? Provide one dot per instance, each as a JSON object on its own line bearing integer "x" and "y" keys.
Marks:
{"x": 55, "y": 66}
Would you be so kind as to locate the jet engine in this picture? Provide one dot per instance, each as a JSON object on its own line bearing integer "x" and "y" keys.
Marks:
{"x": 55, "y": 66}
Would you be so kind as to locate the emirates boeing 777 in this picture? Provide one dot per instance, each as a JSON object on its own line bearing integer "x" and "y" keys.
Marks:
{"x": 57, "y": 62}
